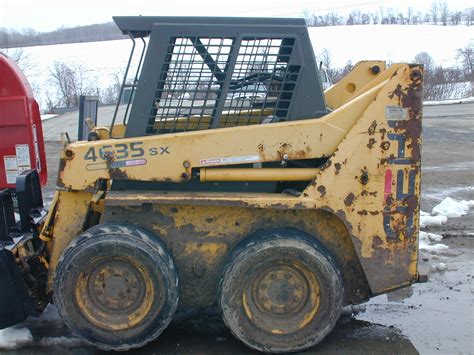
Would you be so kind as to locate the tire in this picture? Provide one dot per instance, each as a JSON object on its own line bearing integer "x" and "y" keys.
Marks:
{"x": 116, "y": 286}
{"x": 281, "y": 291}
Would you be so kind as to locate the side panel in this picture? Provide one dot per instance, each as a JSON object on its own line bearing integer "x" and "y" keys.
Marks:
{"x": 372, "y": 182}
{"x": 200, "y": 237}
{"x": 69, "y": 217}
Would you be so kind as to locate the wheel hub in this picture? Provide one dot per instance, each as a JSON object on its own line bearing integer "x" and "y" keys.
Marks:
{"x": 115, "y": 293}
{"x": 281, "y": 290}
{"x": 116, "y": 286}
{"x": 281, "y": 297}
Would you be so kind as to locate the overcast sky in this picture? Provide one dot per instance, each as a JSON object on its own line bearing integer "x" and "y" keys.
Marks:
{"x": 47, "y": 15}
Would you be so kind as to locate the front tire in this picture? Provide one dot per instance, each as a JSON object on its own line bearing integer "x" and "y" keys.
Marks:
{"x": 281, "y": 291}
{"x": 116, "y": 286}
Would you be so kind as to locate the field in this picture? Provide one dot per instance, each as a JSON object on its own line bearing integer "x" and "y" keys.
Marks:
{"x": 102, "y": 60}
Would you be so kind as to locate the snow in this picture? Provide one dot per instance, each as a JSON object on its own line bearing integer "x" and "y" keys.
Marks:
{"x": 394, "y": 43}
{"x": 439, "y": 267}
{"x": 448, "y": 208}
{"x": 15, "y": 337}
{"x": 45, "y": 117}
{"x": 449, "y": 102}
{"x": 20, "y": 335}
{"x": 427, "y": 220}
{"x": 452, "y": 208}
{"x": 433, "y": 249}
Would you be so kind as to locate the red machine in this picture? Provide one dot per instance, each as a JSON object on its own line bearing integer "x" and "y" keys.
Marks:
{"x": 21, "y": 133}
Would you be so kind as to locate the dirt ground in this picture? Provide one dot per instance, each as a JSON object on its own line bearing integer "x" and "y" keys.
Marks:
{"x": 437, "y": 318}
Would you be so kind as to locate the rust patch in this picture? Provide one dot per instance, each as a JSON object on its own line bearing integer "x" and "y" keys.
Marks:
{"x": 376, "y": 241}
{"x": 326, "y": 165}
{"x": 62, "y": 166}
{"x": 368, "y": 193}
{"x": 371, "y": 143}
{"x": 322, "y": 190}
{"x": 118, "y": 174}
{"x": 411, "y": 98}
{"x": 349, "y": 199}
{"x": 385, "y": 145}
{"x": 372, "y": 128}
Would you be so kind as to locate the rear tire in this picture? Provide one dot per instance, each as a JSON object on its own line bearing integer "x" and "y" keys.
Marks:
{"x": 116, "y": 286}
{"x": 281, "y": 291}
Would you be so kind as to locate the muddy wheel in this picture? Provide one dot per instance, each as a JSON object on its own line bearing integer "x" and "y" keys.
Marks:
{"x": 280, "y": 291}
{"x": 116, "y": 286}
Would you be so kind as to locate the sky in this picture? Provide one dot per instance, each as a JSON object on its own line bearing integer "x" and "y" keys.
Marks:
{"x": 48, "y": 15}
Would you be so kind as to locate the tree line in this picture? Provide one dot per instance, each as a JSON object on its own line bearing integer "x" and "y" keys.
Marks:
{"x": 438, "y": 14}
{"x": 439, "y": 83}
{"x": 10, "y": 38}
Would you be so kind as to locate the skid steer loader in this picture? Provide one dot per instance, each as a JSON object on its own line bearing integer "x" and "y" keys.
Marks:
{"x": 229, "y": 180}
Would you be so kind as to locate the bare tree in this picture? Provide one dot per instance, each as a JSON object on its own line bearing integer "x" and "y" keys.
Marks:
{"x": 425, "y": 59}
{"x": 20, "y": 57}
{"x": 466, "y": 57}
{"x": 443, "y": 13}
{"x": 70, "y": 81}
{"x": 434, "y": 12}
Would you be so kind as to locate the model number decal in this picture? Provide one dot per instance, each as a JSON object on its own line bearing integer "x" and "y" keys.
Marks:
{"x": 122, "y": 151}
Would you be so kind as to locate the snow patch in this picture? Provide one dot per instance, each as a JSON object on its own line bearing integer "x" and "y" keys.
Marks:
{"x": 14, "y": 337}
{"x": 428, "y": 237}
{"x": 439, "y": 267}
{"x": 60, "y": 342}
{"x": 433, "y": 249}
{"x": 452, "y": 208}
{"x": 425, "y": 240}
{"x": 48, "y": 116}
{"x": 449, "y": 102}
{"x": 427, "y": 220}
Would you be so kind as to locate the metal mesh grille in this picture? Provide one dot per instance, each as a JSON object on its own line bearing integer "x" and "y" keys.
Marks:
{"x": 208, "y": 83}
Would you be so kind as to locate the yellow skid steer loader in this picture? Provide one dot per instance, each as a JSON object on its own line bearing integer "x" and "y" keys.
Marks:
{"x": 227, "y": 179}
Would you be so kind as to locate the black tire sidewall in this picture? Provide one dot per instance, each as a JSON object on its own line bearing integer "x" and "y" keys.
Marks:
{"x": 274, "y": 247}
{"x": 114, "y": 240}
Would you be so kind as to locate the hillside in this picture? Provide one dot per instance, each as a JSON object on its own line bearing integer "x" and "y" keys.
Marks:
{"x": 101, "y": 61}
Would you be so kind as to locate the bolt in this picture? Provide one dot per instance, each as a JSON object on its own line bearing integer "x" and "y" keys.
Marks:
{"x": 415, "y": 74}
{"x": 69, "y": 154}
{"x": 364, "y": 178}
{"x": 375, "y": 69}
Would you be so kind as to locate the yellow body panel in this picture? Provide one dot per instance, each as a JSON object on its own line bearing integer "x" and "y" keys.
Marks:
{"x": 363, "y": 203}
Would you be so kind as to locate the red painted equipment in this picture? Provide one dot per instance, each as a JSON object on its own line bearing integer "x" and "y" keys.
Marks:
{"x": 21, "y": 134}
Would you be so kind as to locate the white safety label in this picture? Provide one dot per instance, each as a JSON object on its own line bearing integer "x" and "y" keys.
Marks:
{"x": 23, "y": 156}
{"x": 10, "y": 162}
{"x": 230, "y": 160}
{"x": 396, "y": 113}
{"x": 11, "y": 168}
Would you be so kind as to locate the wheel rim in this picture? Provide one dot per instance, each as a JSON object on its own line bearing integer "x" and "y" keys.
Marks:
{"x": 116, "y": 293}
{"x": 282, "y": 297}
